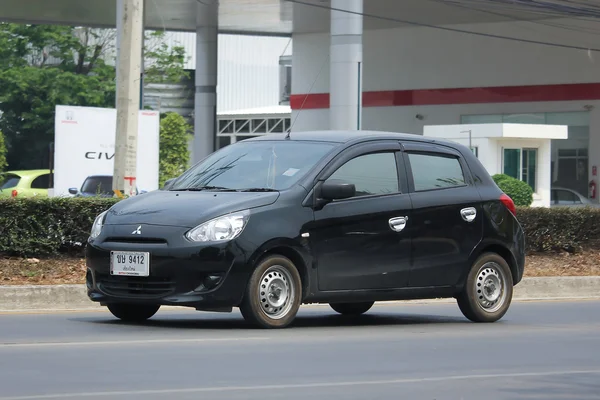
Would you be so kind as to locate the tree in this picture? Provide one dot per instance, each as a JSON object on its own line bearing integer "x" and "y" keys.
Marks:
{"x": 174, "y": 153}
{"x": 45, "y": 65}
{"x": 2, "y": 153}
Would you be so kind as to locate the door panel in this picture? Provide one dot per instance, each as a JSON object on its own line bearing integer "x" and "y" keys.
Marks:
{"x": 360, "y": 243}
{"x": 356, "y": 246}
{"x": 447, "y": 218}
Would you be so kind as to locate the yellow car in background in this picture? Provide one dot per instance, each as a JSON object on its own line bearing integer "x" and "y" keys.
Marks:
{"x": 25, "y": 183}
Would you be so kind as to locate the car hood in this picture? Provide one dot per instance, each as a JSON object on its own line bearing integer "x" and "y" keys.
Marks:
{"x": 183, "y": 209}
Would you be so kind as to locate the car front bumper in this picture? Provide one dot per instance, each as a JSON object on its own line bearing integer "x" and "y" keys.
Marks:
{"x": 181, "y": 273}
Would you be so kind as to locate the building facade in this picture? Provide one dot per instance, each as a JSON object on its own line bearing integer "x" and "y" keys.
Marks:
{"x": 416, "y": 76}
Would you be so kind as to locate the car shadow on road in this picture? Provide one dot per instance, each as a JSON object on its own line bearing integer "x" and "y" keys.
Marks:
{"x": 207, "y": 321}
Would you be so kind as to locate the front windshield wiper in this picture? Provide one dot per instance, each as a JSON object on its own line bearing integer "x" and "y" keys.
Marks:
{"x": 200, "y": 189}
{"x": 257, "y": 190}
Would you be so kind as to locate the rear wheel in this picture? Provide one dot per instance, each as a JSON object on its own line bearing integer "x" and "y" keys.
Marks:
{"x": 488, "y": 291}
{"x": 352, "y": 308}
{"x": 133, "y": 312}
{"x": 273, "y": 294}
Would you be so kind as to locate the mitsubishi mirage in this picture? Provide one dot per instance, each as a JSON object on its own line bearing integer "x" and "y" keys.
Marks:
{"x": 343, "y": 218}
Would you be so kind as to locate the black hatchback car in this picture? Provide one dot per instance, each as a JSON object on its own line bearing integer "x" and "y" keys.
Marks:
{"x": 344, "y": 218}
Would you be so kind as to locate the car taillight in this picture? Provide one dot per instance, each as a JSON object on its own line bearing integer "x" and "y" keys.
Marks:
{"x": 14, "y": 193}
{"x": 509, "y": 203}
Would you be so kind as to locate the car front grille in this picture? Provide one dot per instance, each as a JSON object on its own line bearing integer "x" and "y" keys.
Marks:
{"x": 132, "y": 286}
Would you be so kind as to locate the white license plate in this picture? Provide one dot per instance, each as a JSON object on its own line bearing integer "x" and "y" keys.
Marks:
{"x": 129, "y": 263}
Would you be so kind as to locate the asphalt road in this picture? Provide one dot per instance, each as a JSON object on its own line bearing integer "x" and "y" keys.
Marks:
{"x": 541, "y": 350}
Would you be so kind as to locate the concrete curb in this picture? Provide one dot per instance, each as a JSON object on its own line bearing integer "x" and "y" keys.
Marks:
{"x": 73, "y": 297}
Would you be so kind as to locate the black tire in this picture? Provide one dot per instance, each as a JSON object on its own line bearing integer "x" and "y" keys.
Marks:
{"x": 352, "y": 308}
{"x": 133, "y": 312}
{"x": 489, "y": 267}
{"x": 272, "y": 311}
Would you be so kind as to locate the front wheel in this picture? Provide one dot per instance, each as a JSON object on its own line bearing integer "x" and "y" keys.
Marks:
{"x": 352, "y": 308}
{"x": 133, "y": 312}
{"x": 488, "y": 290}
{"x": 273, "y": 294}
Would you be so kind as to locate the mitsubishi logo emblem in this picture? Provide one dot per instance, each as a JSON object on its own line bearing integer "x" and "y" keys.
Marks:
{"x": 138, "y": 231}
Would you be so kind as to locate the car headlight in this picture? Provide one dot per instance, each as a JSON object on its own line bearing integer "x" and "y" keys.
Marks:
{"x": 97, "y": 227}
{"x": 220, "y": 229}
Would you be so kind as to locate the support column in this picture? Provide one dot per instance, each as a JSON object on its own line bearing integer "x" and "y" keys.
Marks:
{"x": 345, "y": 93}
{"x": 128, "y": 95}
{"x": 205, "y": 101}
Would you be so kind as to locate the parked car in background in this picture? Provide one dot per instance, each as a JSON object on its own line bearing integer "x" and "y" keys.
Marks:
{"x": 94, "y": 186}
{"x": 344, "y": 218}
{"x": 28, "y": 183}
{"x": 564, "y": 197}
{"x": 97, "y": 186}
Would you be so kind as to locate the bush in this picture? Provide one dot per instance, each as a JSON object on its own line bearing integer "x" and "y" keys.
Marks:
{"x": 47, "y": 226}
{"x": 520, "y": 192}
{"x": 559, "y": 229}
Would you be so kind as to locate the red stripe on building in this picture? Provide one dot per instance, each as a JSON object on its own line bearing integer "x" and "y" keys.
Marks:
{"x": 429, "y": 97}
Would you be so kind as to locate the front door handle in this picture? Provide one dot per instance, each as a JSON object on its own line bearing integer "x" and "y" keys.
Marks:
{"x": 468, "y": 214}
{"x": 397, "y": 224}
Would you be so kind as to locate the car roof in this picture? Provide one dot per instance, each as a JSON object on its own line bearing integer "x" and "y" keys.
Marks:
{"x": 29, "y": 172}
{"x": 348, "y": 136}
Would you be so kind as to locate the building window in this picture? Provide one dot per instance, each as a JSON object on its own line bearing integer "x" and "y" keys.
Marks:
{"x": 285, "y": 79}
{"x": 521, "y": 164}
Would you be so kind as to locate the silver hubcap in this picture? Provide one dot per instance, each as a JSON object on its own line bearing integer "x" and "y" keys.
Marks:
{"x": 489, "y": 287}
{"x": 276, "y": 293}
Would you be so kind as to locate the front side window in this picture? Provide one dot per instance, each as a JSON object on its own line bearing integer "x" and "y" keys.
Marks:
{"x": 264, "y": 165}
{"x": 565, "y": 197}
{"x": 97, "y": 185}
{"x": 372, "y": 174}
{"x": 435, "y": 171}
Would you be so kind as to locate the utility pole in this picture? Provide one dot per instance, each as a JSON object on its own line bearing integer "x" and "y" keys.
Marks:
{"x": 129, "y": 66}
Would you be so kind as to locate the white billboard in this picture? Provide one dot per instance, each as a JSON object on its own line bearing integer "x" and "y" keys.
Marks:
{"x": 84, "y": 146}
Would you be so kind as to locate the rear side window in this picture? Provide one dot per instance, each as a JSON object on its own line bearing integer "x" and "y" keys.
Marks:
{"x": 41, "y": 182}
{"x": 436, "y": 171}
{"x": 8, "y": 181}
{"x": 372, "y": 174}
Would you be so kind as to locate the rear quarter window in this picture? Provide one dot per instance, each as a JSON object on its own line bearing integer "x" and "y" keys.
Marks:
{"x": 436, "y": 171}
{"x": 8, "y": 181}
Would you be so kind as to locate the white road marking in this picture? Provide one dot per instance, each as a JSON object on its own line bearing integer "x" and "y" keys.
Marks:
{"x": 125, "y": 342}
{"x": 301, "y": 385}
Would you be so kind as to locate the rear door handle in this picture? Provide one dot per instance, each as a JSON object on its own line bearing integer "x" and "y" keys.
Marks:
{"x": 397, "y": 224}
{"x": 468, "y": 214}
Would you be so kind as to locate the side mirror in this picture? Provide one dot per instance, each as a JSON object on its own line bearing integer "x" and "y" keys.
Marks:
{"x": 337, "y": 190}
{"x": 73, "y": 190}
{"x": 168, "y": 183}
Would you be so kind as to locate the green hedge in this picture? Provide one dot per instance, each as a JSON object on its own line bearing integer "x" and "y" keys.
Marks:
{"x": 559, "y": 229}
{"x": 48, "y": 226}
{"x": 45, "y": 227}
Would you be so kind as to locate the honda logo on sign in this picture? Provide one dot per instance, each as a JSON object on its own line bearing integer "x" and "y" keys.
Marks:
{"x": 138, "y": 231}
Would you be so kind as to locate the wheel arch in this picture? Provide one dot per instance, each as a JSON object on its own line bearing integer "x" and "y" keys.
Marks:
{"x": 492, "y": 247}
{"x": 291, "y": 249}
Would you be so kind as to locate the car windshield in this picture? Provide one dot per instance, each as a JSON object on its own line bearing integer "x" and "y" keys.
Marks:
{"x": 8, "y": 181}
{"x": 97, "y": 185}
{"x": 255, "y": 165}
